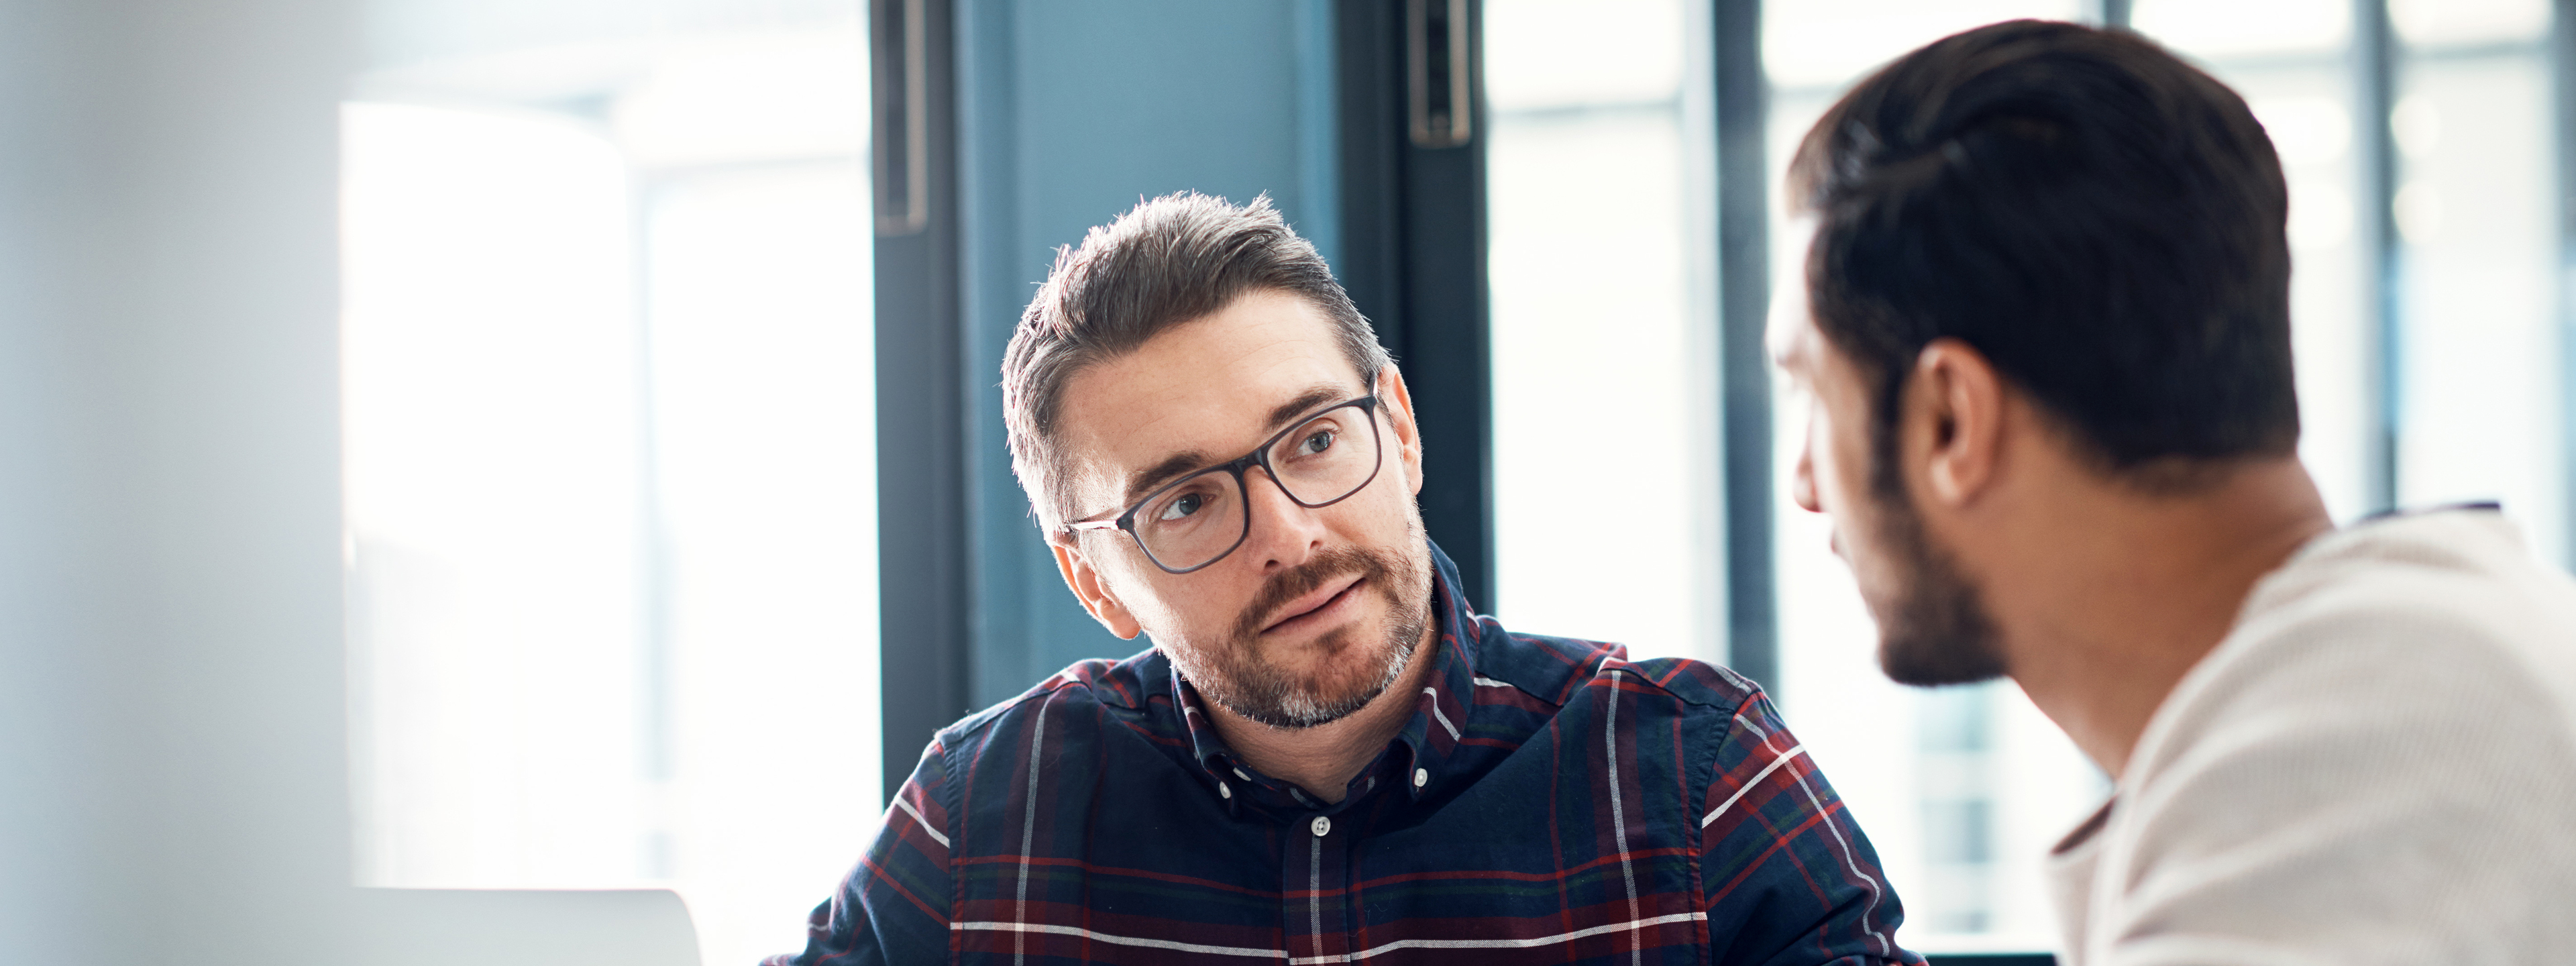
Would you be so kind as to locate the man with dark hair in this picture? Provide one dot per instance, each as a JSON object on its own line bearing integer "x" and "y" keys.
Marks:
{"x": 2045, "y": 341}
{"x": 1326, "y": 756}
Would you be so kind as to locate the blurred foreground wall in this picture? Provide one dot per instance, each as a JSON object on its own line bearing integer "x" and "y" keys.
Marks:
{"x": 172, "y": 784}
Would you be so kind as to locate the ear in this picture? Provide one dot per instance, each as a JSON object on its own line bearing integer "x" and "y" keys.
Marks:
{"x": 1952, "y": 422}
{"x": 1087, "y": 586}
{"x": 1399, "y": 411}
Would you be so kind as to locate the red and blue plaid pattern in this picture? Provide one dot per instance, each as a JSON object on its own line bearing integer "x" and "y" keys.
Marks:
{"x": 1549, "y": 802}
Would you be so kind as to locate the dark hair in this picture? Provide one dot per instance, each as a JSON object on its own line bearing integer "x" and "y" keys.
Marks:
{"x": 1165, "y": 262}
{"x": 2102, "y": 221}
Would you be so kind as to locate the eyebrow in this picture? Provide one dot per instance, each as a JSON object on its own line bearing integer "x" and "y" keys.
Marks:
{"x": 1312, "y": 399}
{"x": 1315, "y": 397}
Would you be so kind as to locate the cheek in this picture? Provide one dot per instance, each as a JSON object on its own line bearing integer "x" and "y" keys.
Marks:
{"x": 1839, "y": 456}
{"x": 1199, "y": 606}
{"x": 1187, "y": 611}
{"x": 1374, "y": 517}
{"x": 1391, "y": 521}
{"x": 1156, "y": 600}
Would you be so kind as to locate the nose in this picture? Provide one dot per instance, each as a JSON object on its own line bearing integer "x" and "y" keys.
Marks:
{"x": 1282, "y": 534}
{"x": 1802, "y": 478}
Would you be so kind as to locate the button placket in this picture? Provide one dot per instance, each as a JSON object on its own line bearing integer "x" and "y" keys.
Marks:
{"x": 1317, "y": 873}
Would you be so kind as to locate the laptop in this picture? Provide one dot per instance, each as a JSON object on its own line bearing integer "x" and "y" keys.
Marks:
{"x": 526, "y": 927}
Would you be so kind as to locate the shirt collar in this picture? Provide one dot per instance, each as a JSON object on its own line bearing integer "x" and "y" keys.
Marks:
{"x": 1442, "y": 712}
{"x": 1425, "y": 748}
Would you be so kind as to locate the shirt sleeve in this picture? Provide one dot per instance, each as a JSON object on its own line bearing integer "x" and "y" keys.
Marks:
{"x": 893, "y": 908}
{"x": 1789, "y": 878}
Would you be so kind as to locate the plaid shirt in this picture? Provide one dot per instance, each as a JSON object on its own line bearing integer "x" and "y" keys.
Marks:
{"x": 1550, "y": 801}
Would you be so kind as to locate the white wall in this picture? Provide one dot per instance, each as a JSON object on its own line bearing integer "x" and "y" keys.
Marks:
{"x": 172, "y": 777}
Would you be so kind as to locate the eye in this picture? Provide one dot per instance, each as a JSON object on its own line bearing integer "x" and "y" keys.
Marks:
{"x": 1317, "y": 441}
{"x": 1182, "y": 508}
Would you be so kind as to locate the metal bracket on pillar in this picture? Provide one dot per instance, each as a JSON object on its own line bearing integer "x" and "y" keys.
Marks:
{"x": 1413, "y": 243}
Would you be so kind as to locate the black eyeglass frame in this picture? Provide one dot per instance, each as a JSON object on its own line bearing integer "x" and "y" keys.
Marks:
{"x": 1260, "y": 457}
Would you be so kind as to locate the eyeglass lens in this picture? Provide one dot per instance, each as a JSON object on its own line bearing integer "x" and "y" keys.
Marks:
{"x": 1326, "y": 458}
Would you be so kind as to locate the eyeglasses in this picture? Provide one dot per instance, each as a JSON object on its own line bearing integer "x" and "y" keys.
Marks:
{"x": 1198, "y": 519}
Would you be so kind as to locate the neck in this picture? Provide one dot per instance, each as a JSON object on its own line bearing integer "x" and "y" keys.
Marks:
{"x": 1324, "y": 758}
{"x": 2099, "y": 626}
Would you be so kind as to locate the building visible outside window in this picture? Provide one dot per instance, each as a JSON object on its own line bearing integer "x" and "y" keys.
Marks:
{"x": 610, "y": 455}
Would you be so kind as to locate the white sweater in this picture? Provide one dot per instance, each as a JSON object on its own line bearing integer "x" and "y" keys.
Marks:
{"x": 2378, "y": 765}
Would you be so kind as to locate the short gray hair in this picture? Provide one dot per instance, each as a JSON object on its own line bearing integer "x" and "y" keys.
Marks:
{"x": 1165, "y": 262}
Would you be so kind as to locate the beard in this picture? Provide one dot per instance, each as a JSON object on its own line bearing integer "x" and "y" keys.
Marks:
{"x": 1234, "y": 673}
{"x": 1935, "y": 630}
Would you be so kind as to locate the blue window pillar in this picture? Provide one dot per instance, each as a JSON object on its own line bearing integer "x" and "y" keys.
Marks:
{"x": 1066, "y": 115}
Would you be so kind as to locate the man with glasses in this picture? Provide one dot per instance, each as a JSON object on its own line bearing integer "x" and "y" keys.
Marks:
{"x": 1326, "y": 756}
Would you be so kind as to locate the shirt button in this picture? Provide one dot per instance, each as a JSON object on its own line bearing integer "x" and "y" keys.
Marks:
{"x": 1223, "y": 792}
{"x": 1421, "y": 777}
{"x": 1321, "y": 826}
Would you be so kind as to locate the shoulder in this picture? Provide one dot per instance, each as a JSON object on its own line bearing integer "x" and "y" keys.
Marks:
{"x": 1086, "y": 693}
{"x": 1563, "y": 670}
{"x": 2390, "y": 638}
{"x": 2365, "y": 696}
{"x": 2442, "y": 622}
{"x": 1696, "y": 683}
{"x": 2460, "y": 581}
{"x": 2391, "y": 716}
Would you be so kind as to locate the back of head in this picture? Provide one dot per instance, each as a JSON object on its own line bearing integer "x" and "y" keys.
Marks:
{"x": 2102, "y": 221}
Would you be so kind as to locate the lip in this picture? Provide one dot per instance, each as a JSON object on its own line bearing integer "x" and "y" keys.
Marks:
{"x": 1316, "y": 607}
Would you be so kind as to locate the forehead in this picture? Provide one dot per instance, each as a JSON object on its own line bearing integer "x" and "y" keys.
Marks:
{"x": 1791, "y": 333}
{"x": 1796, "y": 346}
{"x": 1205, "y": 386}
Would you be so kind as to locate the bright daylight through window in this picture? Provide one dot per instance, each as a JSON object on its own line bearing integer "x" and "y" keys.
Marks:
{"x": 610, "y": 456}
{"x": 1601, "y": 286}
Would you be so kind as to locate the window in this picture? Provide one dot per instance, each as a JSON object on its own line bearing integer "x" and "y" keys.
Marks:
{"x": 1605, "y": 440}
{"x": 610, "y": 456}
{"x": 2481, "y": 410}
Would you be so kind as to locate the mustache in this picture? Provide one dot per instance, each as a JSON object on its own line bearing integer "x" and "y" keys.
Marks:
{"x": 1288, "y": 585}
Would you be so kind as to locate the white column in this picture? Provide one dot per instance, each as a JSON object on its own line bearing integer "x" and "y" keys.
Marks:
{"x": 172, "y": 747}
